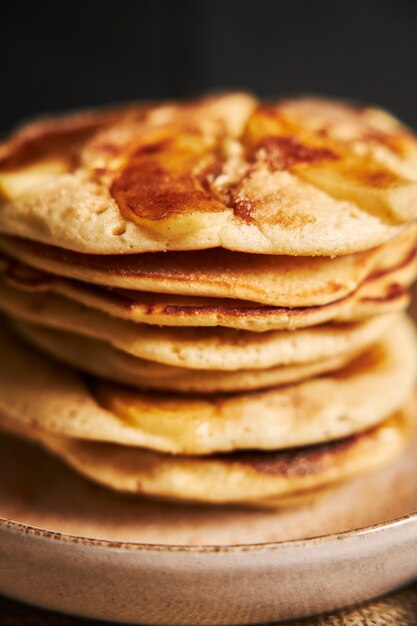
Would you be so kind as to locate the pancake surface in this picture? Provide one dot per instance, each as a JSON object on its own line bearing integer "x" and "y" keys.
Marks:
{"x": 298, "y": 177}
{"x": 194, "y": 348}
{"x": 257, "y": 478}
{"x": 281, "y": 281}
{"x": 384, "y": 291}
{"x": 203, "y": 301}
{"x": 102, "y": 360}
{"x": 37, "y": 391}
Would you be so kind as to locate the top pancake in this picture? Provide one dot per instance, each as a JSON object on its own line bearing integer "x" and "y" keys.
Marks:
{"x": 298, "y": 177}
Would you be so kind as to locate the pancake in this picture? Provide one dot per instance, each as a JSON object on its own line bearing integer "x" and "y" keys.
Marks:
{"x": 194, "y": 348}
{"x": 281, "y": 281}
{"x": 383, "y": 292}
{"x": 298, "y": 177}
{"x": 102, "y": 360}
{"x": 39, "y": 392}
{"x": 257, "y": 478}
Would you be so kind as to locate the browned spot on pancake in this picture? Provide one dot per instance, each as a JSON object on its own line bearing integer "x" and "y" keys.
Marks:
{"x": 409, "y": 258}
{"x": 164, "y": 174}
{"x": 279, "y": 140}
{"x": 303, "y": 461}
{"x": 242, "y": 206}
{"x": 129, "y": 300}
{"x": 267, "y": 110}
{"x": 286, "y": 151}
{"x": 361, "y": 365}
{"x": 153, "y": 148}
{"x": 371, "y": 177}
{"x": 291, "y": 221}
{"x": 150, "y": 192}
{"x": 393, "y": 143}
{"x": 103, "y": 389}
{"x": 240, "y": 308}
{"x": 393, "y": 292}
{"x": 323, "y": 133}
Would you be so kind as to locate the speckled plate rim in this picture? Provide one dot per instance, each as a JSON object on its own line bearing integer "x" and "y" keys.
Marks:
{"x": 50, "y": 535}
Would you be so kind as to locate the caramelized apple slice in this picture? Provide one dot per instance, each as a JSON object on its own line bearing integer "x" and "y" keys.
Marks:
{"x": 331, "y": 164}
{"x": 161, "y": 187}
{"x": 372, "y": 187}
{"x": 17, "y": 182}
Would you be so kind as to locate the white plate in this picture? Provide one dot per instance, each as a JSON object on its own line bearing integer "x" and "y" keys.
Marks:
{"x": 162, "y": 564}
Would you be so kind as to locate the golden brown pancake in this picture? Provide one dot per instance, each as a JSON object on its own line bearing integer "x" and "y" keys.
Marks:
{"x": 102, "y": 360}
{"x": 37, "y": 391}
{"x": 256, "y": 478}
{"x": 385, "y": 291}
{"x": 296, "y": 177}
{"x": 280, "y": 281}
{"x": 125, "y": 234}
{"x": 194, "y": 348}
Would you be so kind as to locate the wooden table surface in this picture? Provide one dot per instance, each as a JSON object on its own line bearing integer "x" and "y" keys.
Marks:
{"x": 396, "y": 609}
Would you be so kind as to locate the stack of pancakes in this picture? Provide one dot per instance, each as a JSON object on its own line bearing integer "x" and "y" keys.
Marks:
{"x": 205, "y": 301}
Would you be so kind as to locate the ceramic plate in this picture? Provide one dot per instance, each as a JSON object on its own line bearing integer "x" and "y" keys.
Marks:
{"x": 113, "y": 557}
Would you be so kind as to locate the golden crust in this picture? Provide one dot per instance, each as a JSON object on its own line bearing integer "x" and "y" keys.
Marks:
{"x": 195, "y": 348}
{"x": 102, "y": 360}
{"x": 40, "y": 392}
{"x": 384, "y": 291}
{"x": 259, "y": 479}
{"x": 298, "y": 177}
{"x": 280, "y": 281}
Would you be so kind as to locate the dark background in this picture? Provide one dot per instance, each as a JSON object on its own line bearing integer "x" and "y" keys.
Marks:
{"x": 57, "y": 56}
